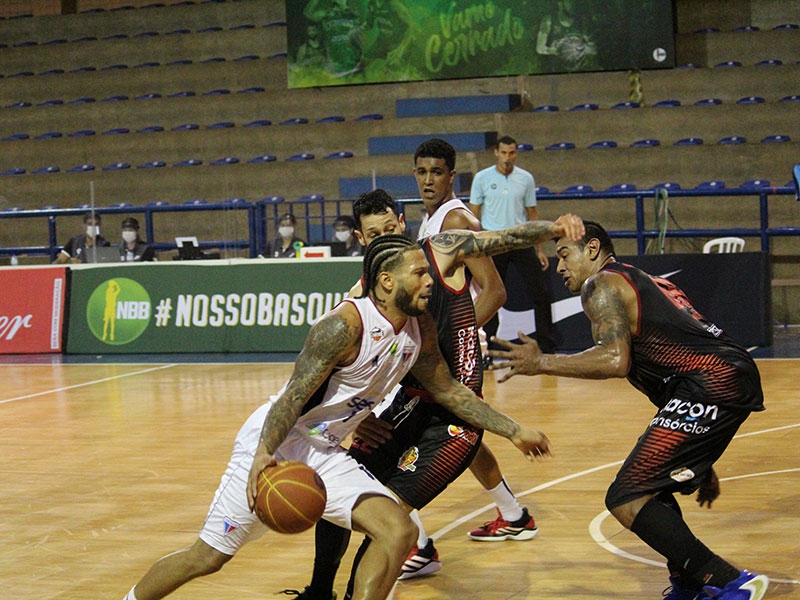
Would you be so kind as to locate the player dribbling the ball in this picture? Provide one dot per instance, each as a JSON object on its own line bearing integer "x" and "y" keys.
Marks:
{"x": 351, "y": 359}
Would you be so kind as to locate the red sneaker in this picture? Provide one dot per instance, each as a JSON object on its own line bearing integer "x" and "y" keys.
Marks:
{"x": 500, "y": 530}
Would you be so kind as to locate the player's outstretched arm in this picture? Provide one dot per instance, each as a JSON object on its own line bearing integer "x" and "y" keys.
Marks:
{"x": 466, "y": 244}
{"x": 433, "y": 373}
{"x": 332, "y": 340}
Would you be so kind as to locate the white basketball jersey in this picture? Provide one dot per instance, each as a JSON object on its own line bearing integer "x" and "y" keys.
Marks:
{"x": 432, "y": 224}
{"x": 351, "y": 392}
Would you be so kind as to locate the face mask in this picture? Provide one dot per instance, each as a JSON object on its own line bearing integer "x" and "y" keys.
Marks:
{"x": 286, "y": 232}
{"x": 342, "y": 236}
{"x": 129, "y": 236}
{"x": 93, "y": 230}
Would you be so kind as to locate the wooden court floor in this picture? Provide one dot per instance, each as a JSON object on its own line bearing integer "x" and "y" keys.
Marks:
{"x": 106, "y": 467}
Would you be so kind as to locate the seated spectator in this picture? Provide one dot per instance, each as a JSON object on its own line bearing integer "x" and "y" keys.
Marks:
{"x": 75, "y": 249}
{"x": 133, "y": 249}
{"x": 286, "y": 245}
{"x": 343, "y": 232}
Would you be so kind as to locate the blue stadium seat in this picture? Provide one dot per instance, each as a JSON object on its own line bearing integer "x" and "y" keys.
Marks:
{"x": 52, "y": 72}
{"x": 122, "y": 205}
{"x": 189, "y": 162}
{"x": 623, "y": 105}
{"x": 14, "y": 137}
{"x": 710, "y": 185}
{"x": 81, "y": 168}
{"x": 178, "y": 32}
{"x": 646, "y": 143}
{"x": 622, "y": 187}
{"x": 22, "y": 104}
{"x": 150, "y": 96}
{"x": 792, "y": 98}
{"x": 576, "y": 188}
{"x": 341, "y": 154}
{"x": 786, "y": 27}
{"x": 150, "y": 129}
{"x": 540, "y": 189}
{"x": 217, "y": 92}
{"x": 25, "y": 44}
{"x": 242, "y": 26}
{"x": 524, "y": 147}
{"x": 755, "y": 184}
{"x": 279, "y": 55}
{"x": 561, "y": 146}
{"x": 212, "y": 29}
{"x": 258, "y": 123}
{"x": 54, "y": 102}
{"x": 545, "y": 108}
{"x": 45, "y": 170}
{"x": 180, "y": 62}
{"x": 311, "y": 198}
{"x": 301, "y": 156}
{"x": 331, "y": 119}
{"x": 86, "y": 38}
{"x": 272, "y": 199}
{"x": 264, "y": 158}
{"x": 186, "y": 127}
{"x": 49, "y": 135}
{"x": 86, "y": 69}
{"x": 770, "y": 62}
{"x": 147, "y": 64}
{"x": 747, "y": 29}
{"x": 750, "y": 100}
{"x": 158, "y": 203}
{"x": 221, "y": 125}
{"x": 586, "y": 106}
{"x": 733, "y": 139}
{"x": 369, "y": 117}
{"x": 667, "y": 103}
{"x": 226, "y": 160}
{"x": 182, "y": 94}
{"x": 771, "y": 139}
{"x": 117, "y": 98}
{"x": 690, "y": 141}
{"x": 246, "y": 57}
{"x": 153, "y": 164}
{"x": 14, "y": 171}
{"x": 707, "y": 30}
{"x": 117, "y": 166}
{"x": 116, "y": 131}
{"x": 84, "y": 100}
{"x": 295, "y": 121}
{"x": 602, "y": 145}
{"x": 251, "y": 90}
{"x": 82, "y": 133}
{"x": 23, "y": 74}
{"x": 669, "y": 185}
{"x": 196, "y": 201}
{"x": 708, "y": 102}
{"x": 215, "y": 59}
{"x": 234, "y": 201}
{"x": 729, "y": 63}
{"x": 115, "y": 67}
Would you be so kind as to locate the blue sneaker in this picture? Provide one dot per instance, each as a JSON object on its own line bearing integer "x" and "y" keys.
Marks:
{"x": 748, "y": 586}
{"x": 676, "y": 592}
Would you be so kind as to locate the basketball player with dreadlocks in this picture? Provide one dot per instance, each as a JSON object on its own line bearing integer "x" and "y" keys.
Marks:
{"x": 353, "y": 356}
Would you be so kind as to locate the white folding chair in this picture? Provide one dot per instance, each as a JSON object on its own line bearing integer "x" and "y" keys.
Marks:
{"x": 724, "y": 245}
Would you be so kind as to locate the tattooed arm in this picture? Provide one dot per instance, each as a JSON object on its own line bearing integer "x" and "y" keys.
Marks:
{"x": 460, "y": 245}
{"x": 611, "y": 305}
{"x": 433, "y": 373}
{"x": 333, "y": 340}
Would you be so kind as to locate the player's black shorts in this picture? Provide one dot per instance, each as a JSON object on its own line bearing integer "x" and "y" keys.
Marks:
{"x": 677, "y": 450}
{"x": 430, "y": 447}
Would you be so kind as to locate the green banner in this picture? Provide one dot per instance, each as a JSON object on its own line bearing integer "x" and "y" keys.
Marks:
{"x": 339, "y": 42}
{"x": 241, "y": 306}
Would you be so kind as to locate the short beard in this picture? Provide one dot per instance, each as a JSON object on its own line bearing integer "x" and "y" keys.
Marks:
{"x": 404, "y": 303}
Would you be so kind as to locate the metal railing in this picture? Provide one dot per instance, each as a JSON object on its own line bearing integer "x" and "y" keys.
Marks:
{"x": 320, "y": 213}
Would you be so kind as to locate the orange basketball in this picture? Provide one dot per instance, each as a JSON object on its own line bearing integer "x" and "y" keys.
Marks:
{"x": 290, "y": 497}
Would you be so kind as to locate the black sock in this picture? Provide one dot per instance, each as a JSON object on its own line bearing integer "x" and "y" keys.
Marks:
{"x": 330, "y": 544}
{"x": 665, "y": 531}
{"x": 356, "y": 562}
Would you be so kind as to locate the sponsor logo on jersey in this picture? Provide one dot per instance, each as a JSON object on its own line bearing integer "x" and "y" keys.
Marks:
{"x": 408, "y": 352}
{"x": 691, "y": 410}
{"x": 230, "y": 525}
{"x": 408, "y": 462}
{"x": 681, "y": 475}
{"x": 377, "y": 334}
{"x": 467, "y": 434}
{"x": 321, "y": 430}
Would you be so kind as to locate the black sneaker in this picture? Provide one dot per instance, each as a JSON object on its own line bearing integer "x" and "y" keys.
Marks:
{"x": 421, "y": 561}
{"x": 304, "y": 595}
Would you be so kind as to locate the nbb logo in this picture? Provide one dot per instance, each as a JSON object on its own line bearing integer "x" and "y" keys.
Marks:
{"x": 118, "y": 311}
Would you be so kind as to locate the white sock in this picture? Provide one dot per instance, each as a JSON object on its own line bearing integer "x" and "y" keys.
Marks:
{"x": 131, "y": 595}
{"x": 506, "y": 502}
{"x": 422, "y": 540}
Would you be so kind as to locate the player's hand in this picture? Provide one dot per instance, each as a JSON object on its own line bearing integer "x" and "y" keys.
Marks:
{"x": 372, "y": 432}
{"x": 532, "y": 443}
{"x": 261, "y": 461}
{"x": 521, "y": 359}
{"x": 708, "y": 490}
{"x": 569, "y": 226}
